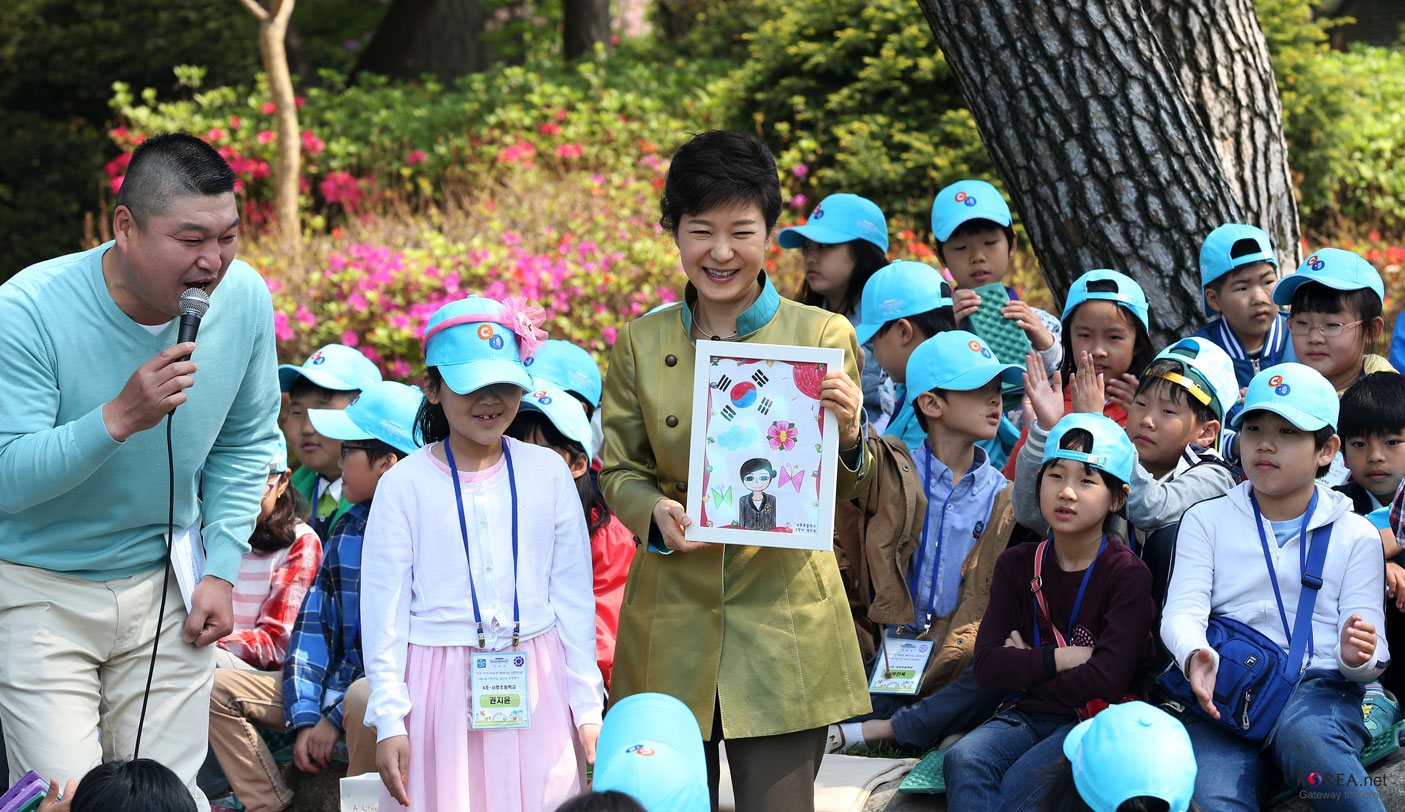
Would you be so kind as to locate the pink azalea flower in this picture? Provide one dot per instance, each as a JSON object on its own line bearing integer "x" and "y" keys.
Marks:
{"x": 569, "y": 151}
{"x": 268, "y": 108}
{"x": 782, "y": 435}
{"x": 399, "y": 368}
{"x": 349, "y": 338}
{"x": 214, "y": 134}
{"x": 281, "y": 329}
{"x": 415, "y": 156}
{"x": 264, "y": 136}
{"x": 800, "y": 170}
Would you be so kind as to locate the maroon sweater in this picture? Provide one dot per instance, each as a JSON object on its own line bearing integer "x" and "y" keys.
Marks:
{"x": 1115, "y": 618}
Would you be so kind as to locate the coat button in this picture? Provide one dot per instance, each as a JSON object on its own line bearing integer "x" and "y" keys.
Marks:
{"x": 682, "y": 487}
{"x": 671, "y": 421}
{"x": 670, "y": 360}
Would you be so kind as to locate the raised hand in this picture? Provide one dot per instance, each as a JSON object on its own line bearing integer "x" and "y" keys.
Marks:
{"x": 1045, "y": 396}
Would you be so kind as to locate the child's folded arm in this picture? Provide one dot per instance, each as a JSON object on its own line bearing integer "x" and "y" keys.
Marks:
{"x": 1362, "y": 588}
{"x": 1186, "y": 614}
{"x": 1026, "y": 495}
{"x": 1152, "y": 504}
{"x": 1109, "y": 672}
{"x": 1005, "y": 668}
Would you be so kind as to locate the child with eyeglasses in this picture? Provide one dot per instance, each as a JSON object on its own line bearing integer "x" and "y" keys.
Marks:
{"x": 1336, "y": 298}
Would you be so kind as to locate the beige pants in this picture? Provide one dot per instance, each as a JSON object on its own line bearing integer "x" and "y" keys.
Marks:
{"x": 74, "y": 656}
{"x": 242, "y": 699}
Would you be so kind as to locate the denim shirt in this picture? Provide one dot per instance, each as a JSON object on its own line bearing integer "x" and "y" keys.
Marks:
{"x": 957, "y": 514}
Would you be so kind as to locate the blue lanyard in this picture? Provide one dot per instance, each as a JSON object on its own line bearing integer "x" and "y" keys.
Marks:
{"x": 463, "y": 529}
{"x": 922, "y": 543}
{"x": 1302, "y": 561}
{"x": 1077, "y": 602}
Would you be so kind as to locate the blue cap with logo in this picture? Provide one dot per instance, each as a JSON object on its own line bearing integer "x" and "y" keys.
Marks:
{"x": 1107, "y": 753}
{"x": 565, "y": 413}
{"x": 1111, "y": 452}
{"x": 1295, "y": 392}
{"x": 563, "y": 364}
{"x": 1337, "y": 269}
{"x": 335, "y": 366}
{"x": 650, "y": 748}
{"x": 957, "y": 360}
{"x": 967, "y": 200}
{"x": 1128, "y": 294}
{"x": 1207, "y": 373}
{"x": 840, "y": 218}
{"x": 474, "y": 342}
{"x": 1215, "y": 259}
{"x": 898, "y": 290}
{"x": 384, "y": 411}
{"x": 279, "y": 463}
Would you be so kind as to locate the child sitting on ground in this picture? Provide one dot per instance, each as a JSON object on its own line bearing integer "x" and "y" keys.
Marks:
{"x": 1105, "y": 766}
{"x": 1227, "y": 567}
{"x": 1068, "y": 625}
{"x": 329, "y": 379}
{"x": 1335, "y": 321}
{"x": 1237, "y": 273}
{"x": 966, "y": 526}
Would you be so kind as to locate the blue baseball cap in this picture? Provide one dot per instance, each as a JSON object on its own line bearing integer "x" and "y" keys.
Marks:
{"x": 1215, "y": 259}
{"x": 384, "y": 411}
{"x": 279, "y": 463}
{"x": 840, "y": 218}
{"x": 650, "y": 748}
{"x": 563, "y": 364}
{"x": 1207, "y": 373}
{"x": 565, "y": 413}
{"x": 1112, "y": 451}
{"x": 958, "y": 360}
{"x": 472, "y": 345}
{"x": 1108, "y": 756}
{"x": 1335, "y": 268}
{"x": 335, "y": 366}
{"x": 1128, "y": 294}
{"x": 967, "y": 200}
{"x": 1295, "y": 392}
{"x": 1380, "y": 518}
{"x": 896, "y": 291}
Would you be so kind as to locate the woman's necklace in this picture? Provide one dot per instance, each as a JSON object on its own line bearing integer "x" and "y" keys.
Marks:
{"x": 704, "y": 332}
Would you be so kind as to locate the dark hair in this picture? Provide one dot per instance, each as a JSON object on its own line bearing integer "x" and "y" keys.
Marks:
{"x": 1219, "y": 284}
{"x": 1142, "y": 351}
{"x": 1062, "y": 795}
{"x": 936, "y": 320}
{"x": 1151, "y": 379}
{"x": 1082, "y": 440}
{"x": 757, "y": 464}
{"x": 1319, "y": 437}
{"x": 302, "y": 385}
{"x": 141, "y": 785}
{"x": 171, "y": 165}
{"x": 1312, "y": 297}
{"x": 529, "y": 423}
{"x": 279, "y": 529}
{"x": 868, "y": 258}
{"x": 608, "y": 801}
{"x": 1373, "y": 406}
{"x": 431, "y": 423}
{"x": 717, "y": 168}
{"x": 970, "y": 227}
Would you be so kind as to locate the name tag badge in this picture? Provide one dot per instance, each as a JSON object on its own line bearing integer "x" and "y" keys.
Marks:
{"x": 901, "y": 663}
{"x": 497, "y": 690}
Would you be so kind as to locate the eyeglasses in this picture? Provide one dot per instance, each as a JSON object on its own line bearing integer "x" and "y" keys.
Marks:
{"x": 346, "y": 447}
{"x": 1331, "y": 329}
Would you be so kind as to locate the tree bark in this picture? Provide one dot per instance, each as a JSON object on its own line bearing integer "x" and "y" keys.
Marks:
{"x": 1084, "y": 118}
{"x": 440, "y": 37}
{"x": 273, "y": 30}
{"x": 1220, "y": 54}
{"x": 584, "y": 23}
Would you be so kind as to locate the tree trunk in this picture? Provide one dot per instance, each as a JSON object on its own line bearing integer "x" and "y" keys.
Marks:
{"x": 273, "y": 29}
{"x": 1085, "y": 120}
{"x": 440, "y": 37}
{"x": 1220, "y": 54}
{"x": 584, "y": 23}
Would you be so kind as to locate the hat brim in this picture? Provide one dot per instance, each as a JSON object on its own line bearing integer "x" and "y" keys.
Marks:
{"x": 1288, "y": 286}
{"x": 335, "y": 424}
{"x": 647, "y": 716}
{"x": 948, "y": 229}
{"x": 980, "y": 376}
{"x": 586, "y": 440}
{"x": 1075, "y": 737}
{"x": 795, "y": 236}
{"x": 1299, "y": 418}
{"x": 474, "y": 375}
{"x": 287, "y": 373}
{"x": 866, "y": 332}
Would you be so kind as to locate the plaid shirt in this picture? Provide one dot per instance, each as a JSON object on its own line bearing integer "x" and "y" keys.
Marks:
{"x": 324, "y": 655}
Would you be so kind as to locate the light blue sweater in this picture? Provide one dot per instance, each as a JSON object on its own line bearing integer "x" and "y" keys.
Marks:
{"x": 75, "y": 501}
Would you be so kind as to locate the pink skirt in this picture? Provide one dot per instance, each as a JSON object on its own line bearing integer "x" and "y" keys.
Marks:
{"x": 456, "y": 769}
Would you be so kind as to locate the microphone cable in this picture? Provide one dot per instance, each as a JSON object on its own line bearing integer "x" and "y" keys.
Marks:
{"x": 165, "y": 579}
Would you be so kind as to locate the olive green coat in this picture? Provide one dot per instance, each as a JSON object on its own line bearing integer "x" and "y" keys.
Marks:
{"x": 763, "y": 633}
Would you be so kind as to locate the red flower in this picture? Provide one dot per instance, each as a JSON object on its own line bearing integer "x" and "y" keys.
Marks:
{"x": 551, "y": 128}
{"x": 569, "y": 151}
{"x": 268, "y": 108}
{"x": 415, "y": 156}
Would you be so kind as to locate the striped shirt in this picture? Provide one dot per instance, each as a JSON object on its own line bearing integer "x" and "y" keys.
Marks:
{"x": 267, "y": 597}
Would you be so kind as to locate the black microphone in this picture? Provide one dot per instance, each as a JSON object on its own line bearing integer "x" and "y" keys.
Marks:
{"x": 194, "y": 303}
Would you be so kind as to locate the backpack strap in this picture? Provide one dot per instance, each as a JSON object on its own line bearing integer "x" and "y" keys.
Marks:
{"x": 1307, "y": 598}
{"x": 1041, "y": 609}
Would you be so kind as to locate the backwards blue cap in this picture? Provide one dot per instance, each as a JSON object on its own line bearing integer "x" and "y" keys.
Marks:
{"x": 1215, "y": 259}
{"x": 384, "y": 411}
{"x": 1335, "y": 268}
{"x": 1128, "y": 294}
{"x": 1107, "y": 753}
{"x": 1207, "y": 373}
{"x": 840, "y": 218}
{"x": 967, "y": 200}
{"x": 1295, "y": 392}
{"x": 898, "y": 290}
{"x": 1111, "y": 452}
{"x": 279, "y": 463}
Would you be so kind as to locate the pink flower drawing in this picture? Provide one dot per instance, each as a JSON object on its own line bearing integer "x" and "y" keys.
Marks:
{"x": 782, "y": 435}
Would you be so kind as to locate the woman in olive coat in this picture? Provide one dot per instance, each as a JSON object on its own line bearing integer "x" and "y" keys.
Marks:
{"x": 757, "y": 641}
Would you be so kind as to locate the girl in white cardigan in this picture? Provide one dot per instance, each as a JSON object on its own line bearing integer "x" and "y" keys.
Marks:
{"x": 476, "y": 601}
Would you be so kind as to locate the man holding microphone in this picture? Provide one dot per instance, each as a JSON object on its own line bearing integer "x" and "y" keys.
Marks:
{"x": 89, "y": 370}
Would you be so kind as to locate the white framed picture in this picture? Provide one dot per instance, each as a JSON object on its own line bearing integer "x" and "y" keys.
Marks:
{"x": 763, "y": 454}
